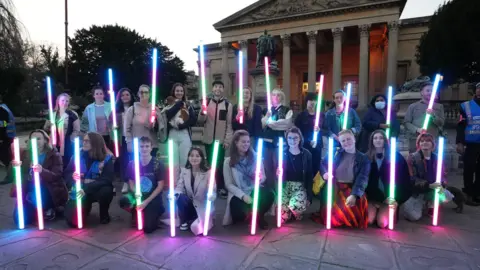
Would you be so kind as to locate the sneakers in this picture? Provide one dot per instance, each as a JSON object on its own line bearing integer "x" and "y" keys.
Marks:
{"x": 222, "y": 193}
{"x": 125, "y": 188}
{"x": 184, "y": 226}
{"x": 50, "y": 214}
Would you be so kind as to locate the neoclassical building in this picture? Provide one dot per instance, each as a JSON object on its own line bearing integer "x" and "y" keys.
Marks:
{"x": 358, "y": 41}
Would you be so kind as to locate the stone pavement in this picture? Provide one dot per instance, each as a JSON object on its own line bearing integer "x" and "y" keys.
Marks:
{"x": 300, "y": 245}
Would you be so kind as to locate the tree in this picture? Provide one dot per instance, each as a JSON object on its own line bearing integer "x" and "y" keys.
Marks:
{"x": 11, "y": 42}
{"x": 452, "y": 44}
{"x": 128, "y": 53}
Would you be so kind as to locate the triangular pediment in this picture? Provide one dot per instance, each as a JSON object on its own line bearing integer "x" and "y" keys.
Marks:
{"x": 268, "y": 10}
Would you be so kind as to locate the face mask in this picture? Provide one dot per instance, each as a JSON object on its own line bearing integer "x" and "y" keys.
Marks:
{"x": 380, "y": 105}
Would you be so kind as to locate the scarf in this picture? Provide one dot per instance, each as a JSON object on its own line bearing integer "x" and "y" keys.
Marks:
{"x": 96, "y": 167}
{"x": 247, "y": 169}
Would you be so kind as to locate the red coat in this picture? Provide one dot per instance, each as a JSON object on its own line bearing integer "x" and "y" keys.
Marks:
{"x": 51, "y": 176}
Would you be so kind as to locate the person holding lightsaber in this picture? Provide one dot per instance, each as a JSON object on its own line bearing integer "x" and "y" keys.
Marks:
{"x": 274, "y": 124}
{"x": 468, "y": 145}
{"x": 96, "y": 116}
{"x": 351, "y": 169}
{"x": 377, "y": 191}
{"x": 297, "y": 171}
{"x": 415, "y": 117}
{"x": 252, "y": 115}
{"x": 191, "y": 193}
{"x": 239, "y": 170}
{"x": 304, "y": 122}
{"x": 217, "y": 125}
{"x": 7, "y": 134}
{"x": 376, "y": 118}
{"x": 54, "y": 193}
{"x": 67, "y": 127}
{"x": 422, "y": 167}
{"x": 334, "y": 117}
{"x": 152, "y": 178}
{"x": 97, "y": 175}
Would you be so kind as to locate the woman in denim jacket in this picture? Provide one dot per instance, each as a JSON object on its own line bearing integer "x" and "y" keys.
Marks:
{"x": 350, "y": 171}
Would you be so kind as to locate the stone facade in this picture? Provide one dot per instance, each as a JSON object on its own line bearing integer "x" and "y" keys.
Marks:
{"x": 361, "y": 41}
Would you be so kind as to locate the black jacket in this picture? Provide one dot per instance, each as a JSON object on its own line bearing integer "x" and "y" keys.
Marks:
{"x": 307, "y": 169}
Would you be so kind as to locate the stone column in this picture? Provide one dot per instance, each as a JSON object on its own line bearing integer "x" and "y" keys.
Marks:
{"x": 244, "y": 49}
{"x": 337, "y": 58}
{"x": 286, "y": 39}
{"x": 364, "y": 63}
{"x": 312, "y": 60}
{"x": 225, "y": 72}
{"x": 392, "y": 53}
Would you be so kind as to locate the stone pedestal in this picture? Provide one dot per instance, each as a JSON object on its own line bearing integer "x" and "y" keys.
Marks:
{"x": 259, "y": 83}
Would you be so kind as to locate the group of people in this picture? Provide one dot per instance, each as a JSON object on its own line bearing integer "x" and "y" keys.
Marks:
{"x": 360, "y": 166}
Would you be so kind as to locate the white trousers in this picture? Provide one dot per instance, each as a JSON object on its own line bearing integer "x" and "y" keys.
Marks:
{"x": 181, "y": 145}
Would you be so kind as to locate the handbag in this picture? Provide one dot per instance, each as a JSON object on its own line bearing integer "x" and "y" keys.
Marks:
{"x": 318, "y": 183}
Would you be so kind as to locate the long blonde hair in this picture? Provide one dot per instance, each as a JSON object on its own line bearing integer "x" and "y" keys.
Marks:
{"x": 280, "y": 93}
{"x": 58, "y": 98}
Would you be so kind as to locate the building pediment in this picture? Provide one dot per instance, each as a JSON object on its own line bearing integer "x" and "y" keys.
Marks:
{"x": 269, "y": 11}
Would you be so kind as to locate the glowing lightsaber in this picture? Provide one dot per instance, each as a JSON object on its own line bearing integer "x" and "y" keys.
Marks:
{"x": 257, "y": 186}
{"x": 240, "y": 84}
{"x": 114, "y": 112}
{"x": 347, "y": 106}
{"x": 138, "y": 191}
{"x": 438, "y": 179}
{"x": 18, "y": 184}
{"x": 78, "y": 184}
{"x": 53, "y": 129}
{"x": 36, "y": 179}
{"x": 393, "y": 155}
{"x": 171, "y": 187}
{"x": 267, "y": 84}
{"x": 202, "y": 74}
{"x": 211, "y": 183}
{"x": 432, "y": 99}
{"x": 154, "y": 84}
{"x": 330, "y": 183}
{"x": 319, "y": 108}
{"x": 389, "y": 109}
{"x": 280, "y": 182}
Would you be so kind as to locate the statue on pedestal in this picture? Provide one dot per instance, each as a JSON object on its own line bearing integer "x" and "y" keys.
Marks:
{"x": 266, "y": 47}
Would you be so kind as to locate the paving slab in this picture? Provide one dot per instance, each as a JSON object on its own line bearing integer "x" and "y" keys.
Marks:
{"x": 115, "y": 261}
{"x": 25, "y": 243}
{"x": 327, "y": 266}
{"x": 109, "y": 236}
{"x": 7, "y": 226}
{"x": 6, "y": 202}
{"x": 420, "y": 258}
{"x": 237, "y": 234}
{"x": 155, "y": 248}
{"x": 308, "y": 244}
{"x": 420, "y": 235}
{"x": 469, "y": 242}
{"x": 358, "y": 252}
{"x": 66, "y": 255}
{"x": 209, "y": 254}
{"x": 266, "y": 261}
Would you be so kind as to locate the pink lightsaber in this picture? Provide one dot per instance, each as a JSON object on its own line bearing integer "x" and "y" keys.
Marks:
{"x": 138, "y": 191}
{"x": 280, "y": 182}
{"x": 211, "y": 183}
{"x": 36, "y": 179}
{"x": 319, "y": 109}
{"x": 330, "y": 183}
{"x": 114, "y": 111}
{"x": 171, "y": 188}
{"x": 393, "y": 155}
{"x": 267, "y": 84}
{"x": 78, "y": 184}
{"x": 438, "y": 180}
{"x": 18, "y": 184}
{"x": 240, "y": 84}
{"x": 257, "y": 186}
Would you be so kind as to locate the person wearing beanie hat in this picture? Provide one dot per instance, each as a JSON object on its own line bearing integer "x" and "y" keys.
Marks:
{"x": 468, "y": 145}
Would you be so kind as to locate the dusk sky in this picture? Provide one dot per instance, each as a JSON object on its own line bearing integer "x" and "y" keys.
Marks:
{"x": 178, "y": 24}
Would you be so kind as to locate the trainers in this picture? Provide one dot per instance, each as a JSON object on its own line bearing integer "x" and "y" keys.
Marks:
{"x": 184, "y": 227}
{"x": 223, "y": 193}
{"x": 50, "y": 214}
{"x": 125, "y": 188}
